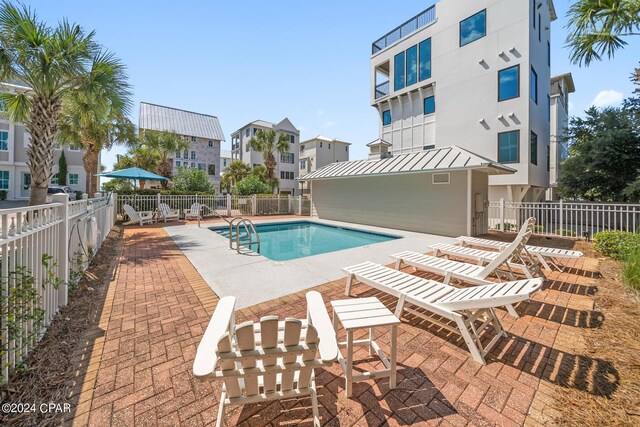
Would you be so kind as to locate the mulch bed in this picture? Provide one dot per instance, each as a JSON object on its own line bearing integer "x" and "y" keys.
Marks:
{"x": 51, "y": 368}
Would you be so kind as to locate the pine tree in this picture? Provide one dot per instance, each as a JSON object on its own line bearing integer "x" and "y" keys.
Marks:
{"x": 62, "y": 169}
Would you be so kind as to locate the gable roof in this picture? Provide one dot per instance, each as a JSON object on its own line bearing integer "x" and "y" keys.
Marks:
{"x": 437, "y": 159}
{"x": 161, "y": 118}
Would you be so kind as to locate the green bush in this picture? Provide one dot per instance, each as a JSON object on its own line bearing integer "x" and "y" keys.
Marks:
{"x": 616, "y": 244}
{"x": 191, "y": 179}
{"x": 631, "y": 269}
{"x": 538, "y": 228}
{"x": 565, "y": 232}
{"x": 250, "y": 185}
{"x": 507, "y": 226}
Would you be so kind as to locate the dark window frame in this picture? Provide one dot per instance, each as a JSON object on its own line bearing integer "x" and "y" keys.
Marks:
{"x": 533, "y": 154}
{"x": 396, "y": 83}
{"x": 428, "y": 76}
{"x": 406, "y": 66}
{"x": 383, "y": 120}
{"x": 517, "y": 131}
{"x": 533, "y": 73}
{"x": 424, "y": 105}
{"x": 467, "y": 18}
{"x": 517, "y": 66}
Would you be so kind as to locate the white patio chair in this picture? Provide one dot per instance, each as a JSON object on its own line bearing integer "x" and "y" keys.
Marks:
{"x": 141, "y": 218}
{"x": 466, "y": 311}
{"x": 193, "y": 212}
{"x": 272, "y": 359}
{"x": 167, "y": 213}
{"x": 500, "y": 266}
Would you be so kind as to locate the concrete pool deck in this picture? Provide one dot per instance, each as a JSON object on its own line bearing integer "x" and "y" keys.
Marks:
{"x": 254, "y": 279}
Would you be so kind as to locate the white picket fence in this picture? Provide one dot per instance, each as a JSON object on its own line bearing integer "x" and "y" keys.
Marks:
{"x": 226, "y": 205}
{"x": 570, "y": 219}
{"x": 40, "y": 248}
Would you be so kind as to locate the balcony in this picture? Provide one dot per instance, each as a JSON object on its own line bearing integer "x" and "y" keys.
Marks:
{"x": 382, "y": 89}
{"x": 421, "y": 20}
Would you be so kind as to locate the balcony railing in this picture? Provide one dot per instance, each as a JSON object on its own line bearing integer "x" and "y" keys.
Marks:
{"x": 382, "y": 89}
{"x": 420, "y": 20}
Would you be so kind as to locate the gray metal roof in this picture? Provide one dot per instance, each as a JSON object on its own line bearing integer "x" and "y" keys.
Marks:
{"x": 160, "y": 118}
{"x": 438, "y": 159}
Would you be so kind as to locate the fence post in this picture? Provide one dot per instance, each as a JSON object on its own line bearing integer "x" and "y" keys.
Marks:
{"x": 114, "y": 198}
{"x": 228, "y": 204}
{"x": 254, "y": 200}
{"x": 300, "y": 205}
{"x": 502, "y": 213}
{"x": 158, "y": 202}
{"x": 561, "y": 218}
{"x": 63, "y": 247}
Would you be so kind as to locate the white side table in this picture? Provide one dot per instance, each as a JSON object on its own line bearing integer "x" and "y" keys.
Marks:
{"x": 365, "y": 313}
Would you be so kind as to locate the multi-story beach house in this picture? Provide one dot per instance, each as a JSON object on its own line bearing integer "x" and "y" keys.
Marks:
{"x": 203, "y": 131}
{"x": 15, "y": 177}
{"x": 225, "y": 159}
{"x": 287, "y": 169}
{"x": 561, "y": 87}
{"x": 475, "y": 74}
{"x": 318, "y": 152}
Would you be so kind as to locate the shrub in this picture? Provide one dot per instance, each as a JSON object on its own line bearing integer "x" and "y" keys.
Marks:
{"x": 507, "y": 226}
{"x": 631, "y": 269}
{"x": 616, "y": 244}
{"x": 538, "y": 228}
{"x": 117, "y": 185}
{"x": 3, "y": 194}
{"x": 565, "y": 232}
{"x": 250, "y": 185}
{"x": 191, "y": 179}
{"x": 79, "y": 195}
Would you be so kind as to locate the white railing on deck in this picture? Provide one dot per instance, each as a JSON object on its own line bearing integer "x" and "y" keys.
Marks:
{"x": 36, "y": 248}
{"x": 571, "y": 219}
{"x": 226, "y": 205}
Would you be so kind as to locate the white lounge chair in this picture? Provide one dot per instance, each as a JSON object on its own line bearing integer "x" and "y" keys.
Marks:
{"x": 166, "y": 213}
{"x": 269, "y": 360}
{"x": 462, "y": 306}
{"x": 194, "y": 212}
{"x": 544, "y": 255}
{"x": 142, "y": 217}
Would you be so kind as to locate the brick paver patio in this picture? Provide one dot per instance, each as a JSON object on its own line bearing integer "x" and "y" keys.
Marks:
{"x": 157, "y": 307}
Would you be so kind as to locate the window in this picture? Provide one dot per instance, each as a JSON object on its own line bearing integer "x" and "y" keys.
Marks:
{"x": 177, "y": 164}
{"x": 301, "y": 149}
{"x": 54, "y": 178}
{"x": 303, "y": 164}
{"x": 193, "y": 165}
{"x": 210, "y": 144}
{"x": 246, "y": 132}
{"x": 424, "y": 49}
{"x": 224, "y": 162}
{"x": 329, "y": 146}
{"x": 412, "y": 65}
{"x": 548, "y": 158}
{"x": 548, "y": 108}
{"x": 549, "y": 54}
{"x": 193, "y": 155}
{"x": 533, "y": 13}
{"x": 386, "y": 117}
{"x": 473, "y": 28}
{"x": 73, "y": 179}
{"x": 287, "y": 158}
{"x": 428, "y": 147}
{"x": 201, "y": 166}
{"x": 320, "y": 144}
{"x": 286, "y": 175}
{"x": 193, "y": 139}
{"x": 398, "y": 71}
{"x": 292, "y": 139}
{"x": 539, "y": 28}
{"x": 4, "y": 180}
{"x": 534, "y": 85}
{"x": 4, "y": 138}
{"x": 255, "y": 130}
{"x": 508, "y": 147}
{"x": 429, "y": 105}
{"x": 534, "y": 148}
{"x": 211, "y": 169}
{"x": 509, "y": 83}
{"x": 186, "y": 154}
{"x": 346, "y": 148}
{"x": 177, "y": 154}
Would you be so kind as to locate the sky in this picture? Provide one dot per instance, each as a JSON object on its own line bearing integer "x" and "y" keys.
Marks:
{"x": 308, "y": 61}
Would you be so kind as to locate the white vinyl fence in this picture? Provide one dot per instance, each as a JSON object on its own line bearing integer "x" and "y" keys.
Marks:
{"x": 225, "y": 205}
{"x": 571, "y": 219}
{"x": 41, "y": 248}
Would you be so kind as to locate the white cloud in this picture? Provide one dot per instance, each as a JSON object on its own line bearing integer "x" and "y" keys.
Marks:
{"x": 330, "y": 124}
{"x": 605, "y": 98}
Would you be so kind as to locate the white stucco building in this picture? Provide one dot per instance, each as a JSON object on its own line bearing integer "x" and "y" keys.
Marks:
{"x": 561, "y": 87}
{"x": 321, "y": 151}
{"x": 287, "y": 168}
{"x": 225, "y": 159}
{"x": 475, "y": 74}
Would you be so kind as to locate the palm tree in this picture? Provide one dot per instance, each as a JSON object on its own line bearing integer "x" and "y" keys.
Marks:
{"x": 269, "y": 143}
{"x": 234, "y": 173}
{"x": 598, "y": 27}
{"x": 95, "y": 117}
{"x": 164, "y": 144}
{"x": 52, "y": 62}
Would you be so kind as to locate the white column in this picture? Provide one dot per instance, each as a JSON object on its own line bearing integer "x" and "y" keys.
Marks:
{"x": 469, "y": 203}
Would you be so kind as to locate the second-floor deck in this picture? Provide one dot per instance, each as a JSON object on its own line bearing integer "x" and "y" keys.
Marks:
{"x": 421, "y": 20}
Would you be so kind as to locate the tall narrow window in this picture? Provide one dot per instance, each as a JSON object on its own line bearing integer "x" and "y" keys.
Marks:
{"x": 549, "y": 54}
{"x": 424, "y": 51}
{"x": 548, "y": 158}
{"x": 412, "y": 65}
{"x": 386, "y": 119}
{"x": 548, "y": 108}
{"x": 473, "y": 28}
{"x": 4, "y": 180}
{"x": 292, "y": 139}
{"x": 398, "y": 71}
{"x": 534, "y": 85}
{"x": 539, "y": 28}
{"x": 509, "y": 83}
{"x": 508, "y": 147}
{"x": 429, "y": 105}
{"x": 534, "y": 148}
{"x": 4, "y": 140}
{"x": 533, "y": 13}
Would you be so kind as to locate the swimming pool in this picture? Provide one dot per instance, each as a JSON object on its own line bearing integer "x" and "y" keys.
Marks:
{"x": 292, "y": 240}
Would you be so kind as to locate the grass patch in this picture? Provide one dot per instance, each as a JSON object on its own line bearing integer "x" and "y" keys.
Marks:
{"x": 616, "y": 244}
{"x": 631, "y": 270}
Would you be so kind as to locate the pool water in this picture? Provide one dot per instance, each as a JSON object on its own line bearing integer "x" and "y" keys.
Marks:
{"x": 292, "y": 240}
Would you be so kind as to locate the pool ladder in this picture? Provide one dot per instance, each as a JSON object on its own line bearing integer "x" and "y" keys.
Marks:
{"x": 248, "y": 228}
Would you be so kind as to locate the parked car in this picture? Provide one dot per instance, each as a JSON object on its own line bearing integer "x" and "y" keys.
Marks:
{"x": 60, "y": 189}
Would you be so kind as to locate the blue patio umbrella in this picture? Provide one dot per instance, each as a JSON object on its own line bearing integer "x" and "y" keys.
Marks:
{"x": 134, "y": 173}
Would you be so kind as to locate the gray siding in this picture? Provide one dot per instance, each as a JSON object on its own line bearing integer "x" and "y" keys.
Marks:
{"x": 406, "y": 202}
